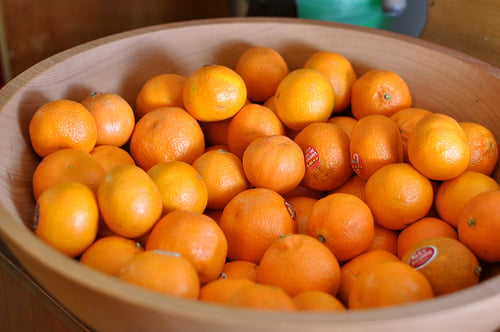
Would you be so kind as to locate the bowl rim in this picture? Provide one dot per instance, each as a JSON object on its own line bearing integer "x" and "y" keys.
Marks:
{"x": 15, "y": 233}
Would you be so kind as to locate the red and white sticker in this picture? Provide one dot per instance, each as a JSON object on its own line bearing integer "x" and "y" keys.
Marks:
{"x": 356, "y": 163}
{"x": 311, "y": 157}
{"x": 422, "y": 256}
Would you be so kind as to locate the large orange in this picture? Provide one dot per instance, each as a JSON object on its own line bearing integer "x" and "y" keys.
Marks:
{"x": 181, "y": 186}
{"x": 129, "y": 201}
{"x": 446, "y": 262}
{"x": 252, "y": 220}
{"x": 163, "y": 272}
{"x": 398, "y": 195}
{"x": 166, "y": 134}
{"x": 422, "y": 229}
{"x": 62, "y": 124}
{"x": 262, "y": 68}
{"x": 304, "y": 96}
{"x": 159, "y": 91}
{"x": 251, "y": 122}
{"x": 298, "y": 263}
{"x": 67, "y": 217}
{"x": 479, "y": 225}
{"x": 110, "y": 253}
{"x": 343, "y": 223}
{"x": 67, "y": 164}
{"x": 197, "y": 237}
{"x": 389, "y": 284}
{"x": 274, "y": 162}
{"x": 379, "y": 92}
{"x": 326, "y": 156}
{"x": 375, "y": 142}
{"x": 339, "y": 71}
{"x": 453, "y": 194}
{"x": 438, "y": 147}
{"x": 223, "y": 174}
{"x": 351, "y": 270}
{"x": 483, "y": 147}
{"x": 114, "y": 117}
{"x": 214, "y": 92}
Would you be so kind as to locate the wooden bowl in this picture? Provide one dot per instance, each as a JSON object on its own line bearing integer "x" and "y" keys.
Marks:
{"x": 441, "y": 80}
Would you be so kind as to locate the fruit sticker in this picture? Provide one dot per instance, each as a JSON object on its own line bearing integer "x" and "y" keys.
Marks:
{"x": 311, "y": 157}
{"x": 422, "y": 256}
{"x": 356, "y": 163}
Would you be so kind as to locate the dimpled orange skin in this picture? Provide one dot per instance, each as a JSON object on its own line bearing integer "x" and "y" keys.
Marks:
{"x": 67, "y": 217}
{"x": 129, "y": 201}
{"x": 214, "y": 93}
{"x": 62, "y": 124}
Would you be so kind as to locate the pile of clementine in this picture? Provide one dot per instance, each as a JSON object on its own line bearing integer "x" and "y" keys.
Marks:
{"x": 312, "y": 188}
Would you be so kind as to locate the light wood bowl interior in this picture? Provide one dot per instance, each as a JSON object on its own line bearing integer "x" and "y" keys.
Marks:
{"x": 440, "y": 80}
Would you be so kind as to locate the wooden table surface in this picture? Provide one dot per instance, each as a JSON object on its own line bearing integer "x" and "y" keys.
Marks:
{"x": 472, "y": 27}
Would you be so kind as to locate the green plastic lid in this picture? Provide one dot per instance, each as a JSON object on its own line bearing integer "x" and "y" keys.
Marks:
{"x": 366, "y": 13}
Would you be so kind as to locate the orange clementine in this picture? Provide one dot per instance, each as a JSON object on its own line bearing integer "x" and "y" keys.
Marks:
{"x": 160, "y": 91}
{"x": 66, "y": 165}
{"x": 375, "y": 142}
{"x": 343, "y": 223}
{"x": 351, "y": 270}
{"x": 381, "y": 92}
{"x": 398, "y": 195}
{"x": 338, "y": 69}
{"x": 213, "y": 93}
{"x": 326, "y": 156}
{"x": 345, "y": 122}
{"x": 274, "y": 162}
{"x": 317, "y": 301}
{"x": 406, "y": 119}
{"x": 110, "y": 253}
{"x": 223, "y": 174}
{"x": 304, "y": 96}
{"x": 129, "y": 201}
{"x": 479, "y": 225}
{"x": 422, "y": 229}
{"x": 239, "y": 269}
{"x": 385, "y": 239}
{"x": 66, "y": 217}
{"x": 262, "y": 68}
{"x": 62, "y": 124}
{"x": 163, "y": 272}
{"x": 446, "y": 262}
{"x": 109, "y": 156}
{"x": 452, "y": 194}
{"x": 483, "y": 147}
{"x": 251, "y": 122}
{"x": 196, "y": 236}
{"x": 297, "y": 263}
{"x": 389, "y": 284}
{"x": 302, "y": 206}
{"x": 355, "y": 185}
{"x": 263, "y": 297}
{"x": 252, "y": 220}
{"x": 438, "y": 147}
{"x": 181, "y": 186}
{"x": 221, "y": 290}
{"x": 166, "y": 134}
{"x": 114, "y": 117}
